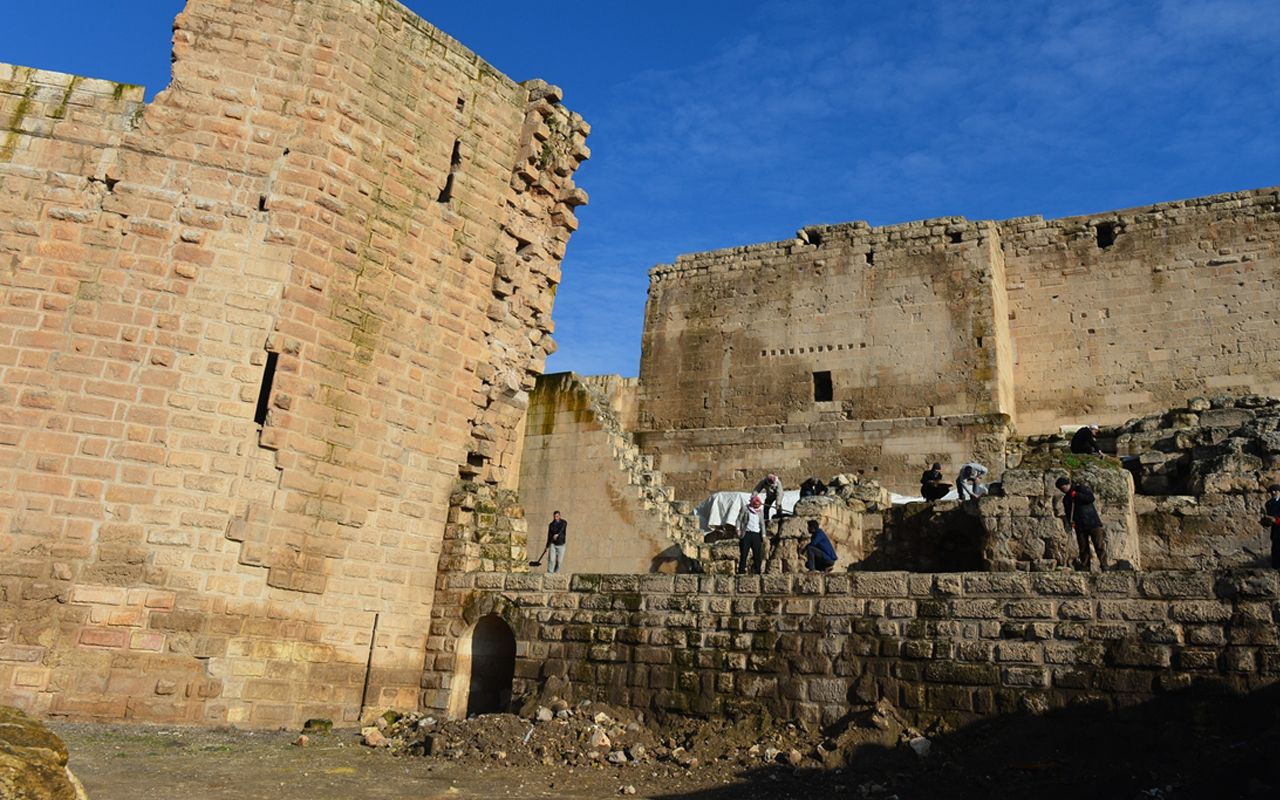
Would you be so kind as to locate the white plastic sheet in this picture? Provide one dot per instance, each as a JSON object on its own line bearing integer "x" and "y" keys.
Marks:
{"x": 724, "y": 508}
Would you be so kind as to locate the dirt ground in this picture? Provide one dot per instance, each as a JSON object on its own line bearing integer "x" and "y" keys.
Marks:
{"x": 154, "y": 763}
{"x": 1185, "y": 745}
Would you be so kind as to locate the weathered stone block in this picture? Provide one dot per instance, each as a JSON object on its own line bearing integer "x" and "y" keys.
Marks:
{"x": 1172, "y": 585}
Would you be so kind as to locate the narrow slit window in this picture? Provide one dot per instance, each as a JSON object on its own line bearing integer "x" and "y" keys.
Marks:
{"x": 455, "y": 161}
{"x": 822, "y": 392}
{"x": 264, "y": 393}
{"x": 871, "y": 258}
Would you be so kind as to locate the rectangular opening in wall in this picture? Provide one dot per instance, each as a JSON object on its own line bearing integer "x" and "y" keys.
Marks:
{"x": 264, "y": 393}
{"x": 822, "y": 387}
{"x": 1106, "y": 234}
{"x": 871, "y": 258}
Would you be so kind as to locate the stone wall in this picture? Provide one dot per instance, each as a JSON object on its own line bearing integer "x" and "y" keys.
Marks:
{"x": 696, "y": 462}
{"x": 580, "y": 460}
{"x": 954, "y": 647}
{"x": 1024, "y": 528}
{"x": 254, "y": 335}
{"x": 932, "y": 335}
{"x": 901, "y": 323}
{"x": 1120, "y": 314}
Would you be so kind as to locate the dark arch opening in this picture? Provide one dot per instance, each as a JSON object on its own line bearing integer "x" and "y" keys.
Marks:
{"x": 493, "y": 666}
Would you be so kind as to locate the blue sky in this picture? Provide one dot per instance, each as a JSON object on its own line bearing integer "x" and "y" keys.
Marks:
{"x": 717, "y": 123}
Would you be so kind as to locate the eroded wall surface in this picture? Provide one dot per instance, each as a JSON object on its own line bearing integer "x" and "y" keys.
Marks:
{"x": 955, "y": 646}
{"x": 932, "y": 335}
{"x": 1126, "y": 313}
{"x": 254, "y": 333}
{"x": 579, "y": 460}
{"x": 901, "y": 322}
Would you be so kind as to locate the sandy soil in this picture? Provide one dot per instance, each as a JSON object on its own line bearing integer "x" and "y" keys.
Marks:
{"x": 151, "y": 763}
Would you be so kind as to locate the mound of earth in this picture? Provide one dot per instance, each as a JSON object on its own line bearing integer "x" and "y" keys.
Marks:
{"x": 561, "y": 734}
{"x": 33, "y": 761}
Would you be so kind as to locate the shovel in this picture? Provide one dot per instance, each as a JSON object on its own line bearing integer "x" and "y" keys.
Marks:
{"x": 538, "y": 563}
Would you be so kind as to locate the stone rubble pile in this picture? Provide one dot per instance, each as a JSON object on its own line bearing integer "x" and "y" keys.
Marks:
{"x": 588, "y": 734}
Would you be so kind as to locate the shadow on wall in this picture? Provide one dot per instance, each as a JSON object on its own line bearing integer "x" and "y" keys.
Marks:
{"x": 1198, "y": 743}
{"x": 488, "y": 666}
{"x": 671, "y": 561}
{"x": 925, "y": 537}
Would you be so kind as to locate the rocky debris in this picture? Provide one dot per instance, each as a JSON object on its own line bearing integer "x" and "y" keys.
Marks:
{"x": 599, "y": 740}
{"x": 1221, "y": 444}
{"x": 373, "y": 737}
{"x": 593, "y": 734}
{"x": 851, "y": 486}
{"x": 302, "y": 741}
{"x": 1200, "y": 473}
{"x": 33, "y": 761}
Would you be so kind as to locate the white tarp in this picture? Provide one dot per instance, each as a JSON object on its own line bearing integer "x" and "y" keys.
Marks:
{"x": 724, "y": 508}
{"x": 903, "y": 499}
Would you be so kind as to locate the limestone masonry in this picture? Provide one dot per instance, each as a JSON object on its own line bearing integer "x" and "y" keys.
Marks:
{"x": 273, "y": 444}
{"x": 935, "y": 340}
{"x": 255, "y": 335}
{"x": 877, "y": 351}
{"x": 948, "y": 647}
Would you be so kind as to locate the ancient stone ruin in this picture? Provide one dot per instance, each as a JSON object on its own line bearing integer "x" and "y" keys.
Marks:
{"x": 274, "y": 438}
{"x": 259, "y": 335}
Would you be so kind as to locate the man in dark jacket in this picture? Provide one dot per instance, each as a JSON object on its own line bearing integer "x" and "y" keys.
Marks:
{"x": 818, "y": 553}
{"x": 555, "y": 542}
{"x": 1086, "y": 441}
{"x": 931, "y": 485}
{"x": 1272, "y": 510}
{"x": 1079, "y": 515}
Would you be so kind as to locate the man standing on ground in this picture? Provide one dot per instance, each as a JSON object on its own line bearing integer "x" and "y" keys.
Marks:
{"x": 555, "y": 542}
{"x": 818, "y": 553}
{"x": 1272, "y": 510}
{"x": 751, "y": 536}
{"x": 1079, "y": 515}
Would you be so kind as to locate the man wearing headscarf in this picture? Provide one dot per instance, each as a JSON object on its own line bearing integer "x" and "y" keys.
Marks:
{"x": 751, "y": 536}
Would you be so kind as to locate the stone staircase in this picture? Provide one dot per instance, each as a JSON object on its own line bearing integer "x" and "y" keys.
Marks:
{"x": 675, "y": 516}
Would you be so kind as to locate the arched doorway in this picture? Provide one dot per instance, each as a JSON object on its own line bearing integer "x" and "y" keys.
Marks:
{"x": 493, "y": 666}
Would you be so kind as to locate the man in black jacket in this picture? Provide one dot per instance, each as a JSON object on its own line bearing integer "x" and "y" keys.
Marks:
{"x": 1272, "y": 511}
{"x": 1079, "y": 514}
{"x": 1086, "y": 441}
{"x": 555, "y": 542}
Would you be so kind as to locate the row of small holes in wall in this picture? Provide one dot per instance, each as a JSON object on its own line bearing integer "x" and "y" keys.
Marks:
{"x": 822, "y": 348}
